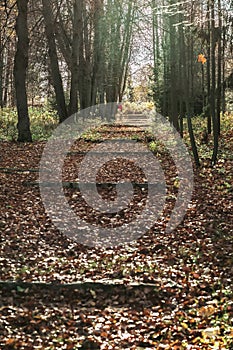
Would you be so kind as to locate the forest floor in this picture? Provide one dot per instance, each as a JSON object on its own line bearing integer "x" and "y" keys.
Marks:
{"x": 166, "y": 290}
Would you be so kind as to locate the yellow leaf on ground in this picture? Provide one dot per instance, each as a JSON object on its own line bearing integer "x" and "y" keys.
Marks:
{"x": 210, "y": 332}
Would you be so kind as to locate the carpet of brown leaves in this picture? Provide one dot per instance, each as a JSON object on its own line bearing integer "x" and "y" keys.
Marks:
{"x": 164, "y": 291}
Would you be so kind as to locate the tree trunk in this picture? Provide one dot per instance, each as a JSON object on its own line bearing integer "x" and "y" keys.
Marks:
{"x": 56, "y": 76}
{"x": 213, "y": 87}
{"x": 20, "y": 70}
{"x": 73, "y": 104}
{"x": 185, "y": 92}
{"x": 219, "y": 82}
{"x": 182, "y": 73}
{"x": 223, "y": 72}
{"x": 191, "y": 65}
{"x": 192, "y": 141}
{"x": 173, "y": 117}
{"x": 1, "y": 71}
{"x": 7, "y": 75}
{"x": 155, "y": 38}
{"x": 189, "y": 119}
{"x": 96, "y": 51}
{"x": 209, "y": 122}
{"x": 1, "y": 81}
{"x": 126, "y": 48}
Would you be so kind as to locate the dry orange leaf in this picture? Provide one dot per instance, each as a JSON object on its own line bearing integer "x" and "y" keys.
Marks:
{"x": 10, "y": 341}
{"x": 206, "y": 310}
{"x": 201, "y": 58}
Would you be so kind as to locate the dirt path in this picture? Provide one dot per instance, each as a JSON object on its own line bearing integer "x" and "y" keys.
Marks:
{"x": 188, "y": 303}
{"x": 141, "y": 120}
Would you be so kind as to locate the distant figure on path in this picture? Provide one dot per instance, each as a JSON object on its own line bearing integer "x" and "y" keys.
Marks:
{"x": 119, "y": 111}
{"x": 119, "y": 107}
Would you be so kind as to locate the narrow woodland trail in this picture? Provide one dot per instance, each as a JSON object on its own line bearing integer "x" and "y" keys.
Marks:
{"x": 171, "y": 291}
{"x": 141, "y": 120}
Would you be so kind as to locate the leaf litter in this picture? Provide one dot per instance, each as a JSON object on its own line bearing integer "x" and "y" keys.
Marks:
{"x": 163, "y": 291}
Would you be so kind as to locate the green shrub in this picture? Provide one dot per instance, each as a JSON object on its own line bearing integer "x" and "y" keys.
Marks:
{"x": 43, "y": 121}
{"x": 153, "y": 146}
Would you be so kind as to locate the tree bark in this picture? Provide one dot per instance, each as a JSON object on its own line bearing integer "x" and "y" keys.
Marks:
{"x": 7, "y": 76}
{"x": 213, "y": 87}
{"x": 209, "y": 122}
{"x": 99, "y": 54}
{"x": 185, "y": 71}
{"x": 1, "y": 71}
{"x": 126, "y": 48}
{"x": 219, "y": 82}
{"x": 56, "y": 76}
{"x": 223, "y": 72}
{"x": 73, "y": 104}
{"x": 173, "y": 117}
{"x": 20, "y": 70}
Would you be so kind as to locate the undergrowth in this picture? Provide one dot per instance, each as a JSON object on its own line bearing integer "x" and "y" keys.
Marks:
{"x": 43, "y": 122}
